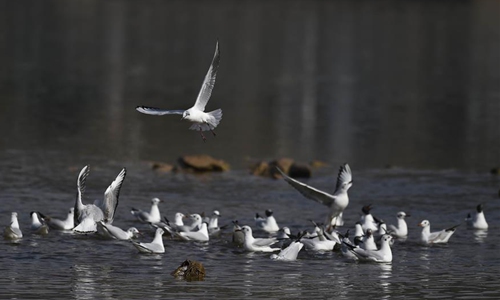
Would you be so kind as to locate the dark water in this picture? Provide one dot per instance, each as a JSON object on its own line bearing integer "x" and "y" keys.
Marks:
{"x": 410, "y": 84}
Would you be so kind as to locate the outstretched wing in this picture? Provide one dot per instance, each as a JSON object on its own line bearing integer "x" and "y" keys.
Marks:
{"x": 80, "y": 185}
{"x": 110, "y": 201}
{"x": 209, "y": 82}
{"x": 308, "y": 191}
{"x": 157, "y": 111}
{"x": 345, "y": 176}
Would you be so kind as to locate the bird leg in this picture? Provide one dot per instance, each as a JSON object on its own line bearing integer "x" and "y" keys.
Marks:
{"x": 202, "y": 136}
{"x": 211, "y": 129}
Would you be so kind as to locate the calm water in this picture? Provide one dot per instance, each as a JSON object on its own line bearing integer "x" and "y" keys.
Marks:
{"x": 414, "y": 85}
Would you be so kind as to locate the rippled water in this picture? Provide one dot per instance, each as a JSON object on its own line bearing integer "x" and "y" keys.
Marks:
{"x": 413, "y": 85}
{"x": 71, "y": 266}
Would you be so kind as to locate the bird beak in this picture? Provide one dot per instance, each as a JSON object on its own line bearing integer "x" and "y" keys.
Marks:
{"x": 420, "y": 224}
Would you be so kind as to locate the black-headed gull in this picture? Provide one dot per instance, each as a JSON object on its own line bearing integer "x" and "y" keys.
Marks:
{"x": 153, "y": 216}
{"x": 382, "y": 255}
{"x": 202, "y": 121}
{"x": 267, "y": 223}
{"x": 58, "y": 224}
{"x": 345, "y": 247}
{"x": 428, "y": 237}
{"x": 400, "y": 230}
{"x": 87, "y": 215}
{"x": 257, "y": 244}
{"x": 38, "y": 225}
{"x": 477, "y": 220}
{"x": 367, "y": 220}
{"x": 13, "y": 232}
{"x": 114, "y": 232}
{"x": 155, "y": 247}
{"x": 337, "y": 201}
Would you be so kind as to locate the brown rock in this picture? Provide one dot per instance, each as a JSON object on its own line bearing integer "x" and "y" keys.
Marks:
{"x": 162, "y": 167}
{"x": 202, "y": 163}
{"x": 260, "y": 169}
{"x": 283, "y": 163}
{"x": 190, "y": 270}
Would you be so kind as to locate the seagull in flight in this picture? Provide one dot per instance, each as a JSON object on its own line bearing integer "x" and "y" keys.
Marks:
{"x": 202, "y": 121}
{"x": 337, "y": 201}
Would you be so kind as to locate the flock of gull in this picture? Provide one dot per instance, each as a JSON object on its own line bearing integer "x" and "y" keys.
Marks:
{"x": 371, "y": 241}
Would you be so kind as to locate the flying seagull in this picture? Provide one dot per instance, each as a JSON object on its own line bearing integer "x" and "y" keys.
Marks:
{"x": 202, "y": 121}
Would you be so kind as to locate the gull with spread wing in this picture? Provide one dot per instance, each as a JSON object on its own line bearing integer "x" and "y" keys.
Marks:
{"x": 337, "y": 201}
{"x": 86, "y": 215}
{"x": 202, "y": 121}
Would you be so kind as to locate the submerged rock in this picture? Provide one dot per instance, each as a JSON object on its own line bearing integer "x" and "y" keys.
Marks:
{"x": 190, "y": 270}
{"x": 202, "y": 163}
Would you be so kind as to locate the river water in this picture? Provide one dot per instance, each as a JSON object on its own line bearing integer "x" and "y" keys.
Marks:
{"x": 408, "y": 93}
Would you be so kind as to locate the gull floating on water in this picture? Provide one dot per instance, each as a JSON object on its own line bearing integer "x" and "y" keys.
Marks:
{"x": 337, "y": 202}
{"x": 13, "y": 232}
{"x": 428, "y": 237}
{"x": 153, "y": 216}
{"x": 477, "y": 221}
{"x": 200, "y": 235}
{"x": 155, "y": 247}
{"x": 202, "y": 121}
{"x": 114, "y": 232}
{"x": 382, "y": 255}
{"x": 400, "y": 231}
{"x": 257, "y": 244}
{"x": 267, "y": 223}
{"x": 102, "y": 210}
{"x": 238, "y": 235}
{"x": 345, "y": 247}
{"x": 367, "y": 219}
{"x": 291, "y": 252}
{"x": 38, "y": 226}
{"x": 368, "y": 241}
{"x": 57, "y": 224}
{"x": 319, "y": 242}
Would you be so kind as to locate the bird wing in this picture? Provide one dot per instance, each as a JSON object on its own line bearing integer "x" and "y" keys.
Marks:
{"x": 264, "y": 242}
{"x": 308, "y": 191}
{"x": 291, "y": 252}
{"x": 345, "y": 176}
{"x": 209, "y": 82}
{"x": 110, "y": 202}
{"x": 157, "y": 111}
{"x": 80, "y": 184}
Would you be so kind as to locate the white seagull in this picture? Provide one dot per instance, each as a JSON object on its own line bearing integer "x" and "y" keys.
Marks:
{"x": 38, "y": 226}
{"x": 367, "y": 219}
{"x": 13, "y": 232}
{"x": 368, "y": 241}
{"x": 114, "y": 232}
{"x": 291, "y": 252}
{"x": 238, "y": 235}
{"x": 382, "y": 255}
{"x": 200, "y": 235}
{"x": 428, "y": 237}
{"x": 267, "y": 223}
{"x": 57, "y": 224}
{"x": 257, "y": 244}
{"x": 153, "y": 216}
{"x": 337, "y": 201}
{"x": 155, "y": 247}
{"x": 87, "y": 215}
{"x": 401, "y": 230}
{"x": 202, "y": 121}
{"x": 477, "y": 221}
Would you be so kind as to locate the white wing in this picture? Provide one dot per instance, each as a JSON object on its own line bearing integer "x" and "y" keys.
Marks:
{"x": 309, "y": 191}
{"x": 261, "y": 242}
{"x": 345, "y": 176}
{"x": 209, "y": 82}
{"x": 157, "y": 111}
{"x": 110, "y": 202}
{"x": 80, "y": 184}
